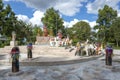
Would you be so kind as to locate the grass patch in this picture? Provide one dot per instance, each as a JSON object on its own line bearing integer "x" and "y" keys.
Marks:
{"x": 115, "y": 47}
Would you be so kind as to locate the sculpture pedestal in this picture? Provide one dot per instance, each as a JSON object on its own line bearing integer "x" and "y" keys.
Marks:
{"x": 42, "y": 40}
{"x": 56, "y": 42}
{"x": 13, "y": 43}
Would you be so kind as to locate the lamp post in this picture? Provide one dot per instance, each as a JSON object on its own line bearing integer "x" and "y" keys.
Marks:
{"x": 0, "y": 28}
{"x": 57, "y": 11}
{"x": 0, "y": 32}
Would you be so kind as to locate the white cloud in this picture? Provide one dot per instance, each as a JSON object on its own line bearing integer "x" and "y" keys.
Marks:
{"x": 71, "y": 23}
{"x": 23, "y": 18}
{"x": 92, "y": 24}
{"x": 9, "y": 0}
{"x": 35, "y": 20}
{"x": 68, "y": 8}
{"x": 98, "y": 4}
{"x": 119, "y": 15}
{"x": 71, "y": 7}
{"x": 6, "y": 0}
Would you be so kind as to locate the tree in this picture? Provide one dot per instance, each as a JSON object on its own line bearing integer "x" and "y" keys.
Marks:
{"x": 105, "y": 17}
{"x": 2, "y": 15}
{"x": 115, "y": 29}
{"x": 53, "y": 21}
{"x": 9, "y": 23}
{"x": 7, "y": 19}
{"x": 80, "y": 31}
{"x": 37, "y": 30}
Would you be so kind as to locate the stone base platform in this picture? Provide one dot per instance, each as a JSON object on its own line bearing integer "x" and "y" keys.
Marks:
{"x": 56, "y": 61}
{"x": 47, "y": 60}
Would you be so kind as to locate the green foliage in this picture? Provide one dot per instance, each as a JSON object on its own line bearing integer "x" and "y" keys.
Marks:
{"x": 116, "y": 47}
{"x": 23, "y": 31}
{"x": 9, "y": 23}
{"x": 81, "y": 31}
{"x": 108, "y": 27}
{"x": 105, "y": 17}
{"x": 37, "y": 30}
{"x": 115, "y": 29}
{"x": 53, "y": 21}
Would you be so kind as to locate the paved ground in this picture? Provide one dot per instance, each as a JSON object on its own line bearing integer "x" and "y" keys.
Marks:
{"x": 43, "y": 60}
{"x": 90, "y": 70}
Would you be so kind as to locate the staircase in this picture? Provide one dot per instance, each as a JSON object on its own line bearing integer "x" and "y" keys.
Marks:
{"x": 41, "y": 50}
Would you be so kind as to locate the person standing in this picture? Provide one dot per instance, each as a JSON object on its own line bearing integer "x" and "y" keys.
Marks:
{"x": 109, "y": 53}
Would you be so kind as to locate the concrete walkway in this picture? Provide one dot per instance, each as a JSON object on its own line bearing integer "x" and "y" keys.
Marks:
{"x": 90, "y": 70}
{"x": 46, "y": 60}
{"x": 86, "y": 70}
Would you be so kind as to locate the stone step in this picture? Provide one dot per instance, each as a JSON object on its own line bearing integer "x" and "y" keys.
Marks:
{"x": 35, "y": 48}
{"x": 41, "y": 50}
{"x": 50, "y": 61}
{"x": 62, "y": 62}
{"x": 46, "y": 50}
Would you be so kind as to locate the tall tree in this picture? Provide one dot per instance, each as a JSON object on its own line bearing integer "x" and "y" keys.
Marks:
{"x": 115, "y": 29}
{"x": 2, "y": 15}
{"x": 9, "y": 23}
{"x": 80, "y": 31}
{"x": 7, "y": 19}
{"x": 53, "y": 21}
{"x": 37, "y": 30}
{"x": 105, "y": 17}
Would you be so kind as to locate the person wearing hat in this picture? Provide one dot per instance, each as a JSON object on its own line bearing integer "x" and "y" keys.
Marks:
{"x": 109, "y": 52}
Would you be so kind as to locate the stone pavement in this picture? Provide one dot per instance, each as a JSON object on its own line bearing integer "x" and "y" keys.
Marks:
{"x": 84, "y": 68}
{"x": 46, "y": 60}
{"x": 91, "y": 70}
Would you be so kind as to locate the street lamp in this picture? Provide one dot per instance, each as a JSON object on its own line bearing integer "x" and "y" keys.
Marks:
{"x": 0, "y": 29}
{"x": 57, "y": 11}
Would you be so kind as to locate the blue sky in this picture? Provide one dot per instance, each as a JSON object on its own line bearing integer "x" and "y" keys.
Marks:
{"x": 71, "y": 11}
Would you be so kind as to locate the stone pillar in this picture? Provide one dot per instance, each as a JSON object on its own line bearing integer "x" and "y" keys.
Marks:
{"x": 29, "y": 50}
{"x": 15, "y": 59}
